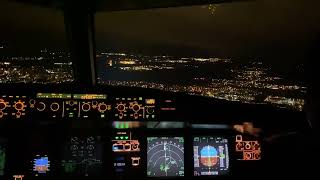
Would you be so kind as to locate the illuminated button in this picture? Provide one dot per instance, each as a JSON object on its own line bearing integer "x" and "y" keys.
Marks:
{"x": 257, "y": 156}
{"x": 102, "y": 107}
{"x": 54, "y": 106}
{"x": 3, "y": 105}
{"x": 71, "y": 103}
{"x": 127, "y": 147}
{"x": 136, "y": 115}
{"x": 150, "y": 101}
{"x": 18, "y": 114}
{"x": 120, "y": 115}
{"x": 248, "y": 155}
{"x": 90, "y": 147}
{"x": 32, "y": 102}
{"x": 121, "y": 107}
{"x": 74, "y": 147}
{"x": 19, "y": 106}
{"x": 86, "y": 107}
{"x": 135, "y": 161}
{"x": 136, "y": 107}
{"x": 94, "y": 103}
{"x": 41, "y": 106}
{"x": 18, "y": 177}
{"x": 117, "y": 147}
{"x": 239, "y": 146}
{"x": 135, "y": 147}
{"x": 256, "y": 146}
{"x": 247, "y": 146}
{"x": 90, "y": 140}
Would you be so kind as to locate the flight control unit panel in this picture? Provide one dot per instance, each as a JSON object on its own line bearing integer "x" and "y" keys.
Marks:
{"x": 73, "y": 106}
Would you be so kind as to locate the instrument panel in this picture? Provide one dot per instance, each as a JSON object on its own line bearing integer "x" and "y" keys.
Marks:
{"x": 13, "y": 106}
{"x": 125, "y": 153}
{"x": 149, "y": 137}
{"x": 70, "y": 105}
{"x": 82, "y": 156}
{"x": 79, "y": 106}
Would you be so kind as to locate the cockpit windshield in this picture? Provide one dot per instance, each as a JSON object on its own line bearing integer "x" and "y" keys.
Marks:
{"x": 33, "y": 45}
{"x": 252, "y": 52}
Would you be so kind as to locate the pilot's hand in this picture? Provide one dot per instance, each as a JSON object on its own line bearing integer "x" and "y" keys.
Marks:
{"x": 248, "y": 128}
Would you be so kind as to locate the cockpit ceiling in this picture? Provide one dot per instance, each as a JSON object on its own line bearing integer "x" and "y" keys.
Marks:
{"x": 119, "y": 5}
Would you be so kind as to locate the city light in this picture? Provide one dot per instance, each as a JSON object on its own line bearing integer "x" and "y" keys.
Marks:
{"x": 247, "y": 83}
{"x": 251, "y": 83}
{"x": 47, "y": 67}
{"x": 127, "y": 62}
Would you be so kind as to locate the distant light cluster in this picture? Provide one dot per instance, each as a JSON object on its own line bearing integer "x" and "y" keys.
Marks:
{"x": 226, "y": 93}
{"x": 47, "y": 67}
{"x": 249, "y": 83}
{"x": 35, "y": 74}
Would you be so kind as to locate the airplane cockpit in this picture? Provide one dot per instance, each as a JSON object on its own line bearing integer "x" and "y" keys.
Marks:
{"x": 118, "y": 119}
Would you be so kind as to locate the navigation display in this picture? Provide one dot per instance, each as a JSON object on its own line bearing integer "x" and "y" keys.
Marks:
{"x": 210, "y": 155}
{"x": 83, "y": 156}
{"x": 165, "y": 156}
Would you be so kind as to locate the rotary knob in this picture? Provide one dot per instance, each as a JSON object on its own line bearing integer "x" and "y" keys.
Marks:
{"x": 150, "y": 110}
{"x": 3, "y": 105}
{"x": 136, "y": 107}
{"x": 32, "y": 102}
{"x": 121, "y": 107}
{"x": 54, "y": 106}
{"x": 102, "y": 107}
{"x": 41, "y": 106}
{"x": 19, "y": 106}
{"x": 85, "y": 107}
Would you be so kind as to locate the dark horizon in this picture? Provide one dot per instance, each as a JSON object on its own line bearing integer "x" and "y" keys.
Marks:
{"x": 275, "y": 32}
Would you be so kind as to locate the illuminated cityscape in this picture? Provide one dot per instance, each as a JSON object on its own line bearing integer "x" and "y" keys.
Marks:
{"x": 221, "y": 78}
{"x": 45, "y": 67}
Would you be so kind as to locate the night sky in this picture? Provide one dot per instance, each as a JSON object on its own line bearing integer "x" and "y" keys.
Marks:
{"x": 264, "y": 29}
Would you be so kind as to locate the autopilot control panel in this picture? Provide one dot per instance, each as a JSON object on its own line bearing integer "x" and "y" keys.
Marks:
{"x": 82, "y": 106}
